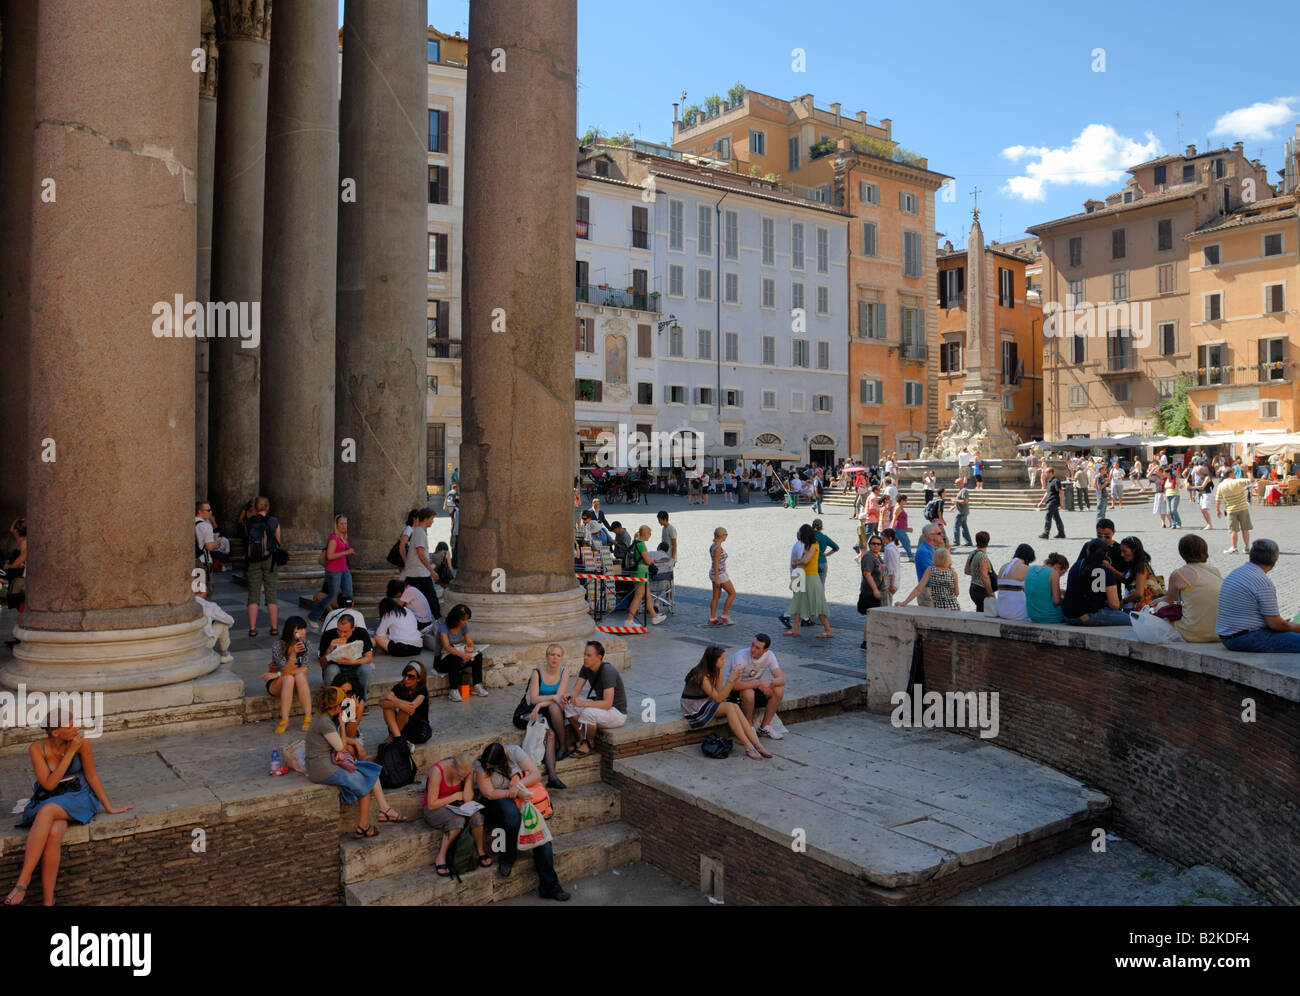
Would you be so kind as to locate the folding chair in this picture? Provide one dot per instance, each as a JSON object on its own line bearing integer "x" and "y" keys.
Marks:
{"x": 664, "y": 592}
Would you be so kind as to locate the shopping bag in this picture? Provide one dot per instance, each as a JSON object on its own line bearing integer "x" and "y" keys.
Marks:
{"x": 295, "y": 756}
{"x": 535, "y": 739}
{"x": 533, "y": 831}
{"x": 1150, "y": 628}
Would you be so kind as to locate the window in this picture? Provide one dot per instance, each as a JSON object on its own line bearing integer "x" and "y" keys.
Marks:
{"x": 584, "y": 217}
{"x": 1075, "y": 295}
{"x": 768, "y": 401}
{"x": 796, "y": 245}
{"x": 731, "y": 243}
{"x": 1165, "y": 388}
{"x": 1210, "y": 255}
{"x": 869, "y": 238}
{"x": 1214, "y": 307}
{"x": 768, "y": 299}
{"x": 1119, "y": 286}
{"x": 722, "y": 147}
{"x": 1274, "y": 299}
{"x": 1080, "y": 349}
{"x": 704, "y": 236}
{"x": 437, "y": 252}
{"x": 952, "y": 286}
{"x": 676, "y": 224}
{"x": 1076, "y": 251}
{"x": 1010, "y": 361}
{"x": 912, "y": 326}
{"x": 870, "y": 392}
{"x": 871, "y": 320}
{"x": 823, "y": 300}
{"x": 645, "y": 393}
{"x": 602, "y": 167}
{"x": 768, "y": 229}
{"x": 1164, "y": 234}
{"x": 793, "y": 158}
{"x": 1272, "y": 359}
{"x": 911, "y": 254}
{"x": 1008, "y": 402}
{"x": 1128, "y": 197}
{"x": 704, "y": 284}
{"x": 704, "y": 396}
{"x": 704, "y": 344}
{"x": 586, "y": 336}
{"x": 1218, "y": 169}
{"x": 1189, "y": 173}
{"x": 868, "y": 193}
{"x": 433, "y": 384}
{"x": 640, "y": 280}
{"x": 432, "y": 51}
{"x": 676, "y": 280}
{"x": 913, "y": 393}
{"x": 757, "y": 142}
{"x": 1273, "y": 244}
{"x": 439, "y": 189}
{"x": 1160, "y": 178}
{"x": 799, "y": 352}
{"x": 1006, "y": 287}
{"x": 823, "y": 355}
{"x": 1078, "y": 396}
{"x": 730, "y": 438}
{"x": 769, "y": 353}
{"x": 640, "y": 227}
{"x": 1167, "y": 337}
{"x": 733, "y": 398}
{"x": 909, "y": 202}
{"x": 1209, "y": 413}
{"x": 823, "y": 251}
{"x": 1166, "y": 278}
{"x": 1270, "y": 408}
{"x": 644, "y": 343}
{"x": 796, "y": 295}
{"x": 1212, "y": 365}
{"x": 440, "y": 320}
{"x": 1119, "y": 390}
{"x": 438, "y": 121}
{"x": 675, "y": 394}
{"x": 821, "y": 402}
{"x": 1118, "y": 244}
{"x": 675, "y": 337}
{"x": 796, "y": 401}
{"x": 950, "y": 356}
{"x": 731, "y": 288}
{"x": 731, "y": 342}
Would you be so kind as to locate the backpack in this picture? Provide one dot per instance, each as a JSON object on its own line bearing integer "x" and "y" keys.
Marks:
{"x": 397, "y": 765}
{"x": 464, "y": 855}
{"x": 261, "y": 538}
{"x": 631, "y": 559}
{"x": 932, "y": 509}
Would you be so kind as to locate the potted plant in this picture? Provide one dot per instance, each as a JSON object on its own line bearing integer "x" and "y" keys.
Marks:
{"x": 711, "y": 104}
{"x": 654, "y": 299}
{"x": 689, "y": 114}
{"x": 631, "y": 290}
{"x": 736, "y": 94}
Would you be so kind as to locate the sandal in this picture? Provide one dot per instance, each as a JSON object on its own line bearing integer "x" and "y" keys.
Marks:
{"x": 579, "y": 751}
{"x": 752, "y": 754}
{"x": 362, "y": 832}
{"x": 252, "y": 632}
{"x": 825, "y": 636}
{"x": 443, "y": 871}
{"x": 281, "y": 726}
{"x": 790, "y": 632}
{"x": 389, "y": 816}
{"x": 22, "y": 894}
{"x": 485, "y": 861}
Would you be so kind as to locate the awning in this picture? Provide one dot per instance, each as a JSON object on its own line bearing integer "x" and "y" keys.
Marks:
{"x": 1093, "y": 443}
{"x": 776, "y": 456}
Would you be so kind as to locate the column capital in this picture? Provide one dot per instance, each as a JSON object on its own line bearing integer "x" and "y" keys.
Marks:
{"x": 208, "y": 42}
{"x": 242, "y": 19}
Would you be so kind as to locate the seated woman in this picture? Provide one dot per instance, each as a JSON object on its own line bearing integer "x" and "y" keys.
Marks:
{"x": 545, "y": 694}
{"x": 398, "y": 634}
{"x": 704, "y": 695}
{"x": 406, "y": 706}
{"x": 1092, "y": 590}
{"x": 353, "y": 705}
{"x": 1043, "y": 589}
{"x": 505, "y": 776}
{"x": 941, "y": 579}
{"x": 332, "y": 760}
{"x": 1011, "y": 584}
{"x": 1195, "y": 586}
{"x": 453, "y": 662}
{"x": 449, "y": 785}
{"x": 67, "y": 790}
{"x": 1140, "y": 586}
{"x": 290, "y": 658}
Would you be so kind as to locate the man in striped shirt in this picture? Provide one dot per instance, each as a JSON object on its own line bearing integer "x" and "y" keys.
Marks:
{"x": 1233, "y": 496}
{"x": 1248, "y": 618}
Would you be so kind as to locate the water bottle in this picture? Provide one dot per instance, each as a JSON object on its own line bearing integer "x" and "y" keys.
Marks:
{"x": 276, "y": 767}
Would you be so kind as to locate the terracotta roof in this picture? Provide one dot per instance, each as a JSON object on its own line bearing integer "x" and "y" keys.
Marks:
{"x": 1177, "y": 157}
{"x": 763, "y": 194}
{"x": 995, "y": 250}
{"x": 1177, "y": 193}
{"x": 1249, "y": 216}
{"x": 610, "y": 179}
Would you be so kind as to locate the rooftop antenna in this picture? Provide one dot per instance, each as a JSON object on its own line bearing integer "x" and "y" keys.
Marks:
{"x": 975, "y": 211}
{"x": 1178, "y": 118}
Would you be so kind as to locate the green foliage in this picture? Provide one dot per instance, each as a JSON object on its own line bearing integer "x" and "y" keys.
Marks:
{"x": 736, "y": 94}
{"x": 867, "y": 145}
{"x": 712, "y": 103}
{"x": 1173, "y": 416}
{"x": 622, "y": 138}
{"x": 590, "y": 136}
{"x": 689, "y": 113}
{"x": 823, "y": 148}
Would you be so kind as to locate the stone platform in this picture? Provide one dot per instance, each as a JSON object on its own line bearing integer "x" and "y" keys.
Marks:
{"x": 852, "y": 811}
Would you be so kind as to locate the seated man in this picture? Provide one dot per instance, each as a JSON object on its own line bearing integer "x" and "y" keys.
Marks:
{"x": 360, "y": 669}
{"x": 329, "y": 628}
{"x": 607, "y": 707}
{"x": 761, "y": 683}
{"x": 1248, "y": 618}
{"x": 1091, "y": 595}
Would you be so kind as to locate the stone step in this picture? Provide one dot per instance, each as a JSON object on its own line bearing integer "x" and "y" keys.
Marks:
{"x": 403, "y": 846}
{"x": 579, "y": 854}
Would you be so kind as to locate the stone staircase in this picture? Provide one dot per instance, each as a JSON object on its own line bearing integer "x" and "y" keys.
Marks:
{"x": 1004, "y": 498}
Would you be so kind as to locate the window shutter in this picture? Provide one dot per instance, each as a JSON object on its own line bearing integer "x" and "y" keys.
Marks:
{"x": 443, "y": 122}
{"x": 444, "y": 319}
{"x": 580, "y": 341}
{"x": 668, "y": 394}
{"x": 577, "y": 390}
{"x": 902, "y": 200}
{"x": 740, "y": 399}
{"x": 881, "y": 327}
{"x": 862, "y": 391}
{"x": 864, "y": 315}
{"x": 943, "y": 288}
{"x": 880, "y": 391}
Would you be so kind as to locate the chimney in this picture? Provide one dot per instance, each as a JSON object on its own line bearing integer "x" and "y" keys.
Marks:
{"x": 674, "y": 114}
{"x": 888, "y": 125}
{"x": 835, "y": 109}
{"x": 862, "y": 117}
{"x": 1237, "y": 148}
{"x": 1191, "y": 151}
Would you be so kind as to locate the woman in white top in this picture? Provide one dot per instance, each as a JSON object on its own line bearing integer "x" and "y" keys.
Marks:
{"x": 1011, "y": 584}
{"x": 398, "y": 634}
{"x": 419, "y": 569}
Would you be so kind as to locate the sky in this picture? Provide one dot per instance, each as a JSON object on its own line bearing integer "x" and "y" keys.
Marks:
{"x": 1040, "y": 106}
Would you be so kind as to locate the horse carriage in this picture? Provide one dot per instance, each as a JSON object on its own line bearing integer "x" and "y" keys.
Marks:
{"x": 613, "y": 487}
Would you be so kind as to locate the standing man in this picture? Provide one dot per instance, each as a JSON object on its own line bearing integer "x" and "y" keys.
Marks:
{"x": 963, "y": 461}
{"x": 597, "y": 513}
{"x": 931, "y": 540}
{"x": 962, "y": 504}
{"x": 1233, "y": 495}
{"x": 1102, "y": 484}
{"x": 205, "y": 541}
{"x": 1082, "y": 499}
{"x": 761, "y": 683}
{"x": 669, "y": 534}
{"x": 1051, "y": 495}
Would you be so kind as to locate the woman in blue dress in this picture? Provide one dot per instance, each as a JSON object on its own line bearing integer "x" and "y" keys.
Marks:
{"x": 67, "y": 790}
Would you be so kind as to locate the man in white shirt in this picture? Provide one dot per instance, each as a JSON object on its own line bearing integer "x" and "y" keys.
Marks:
{"x": 963, "y": 461}
{"x": 205, "y": 541}
{"x": 761, "y": 683}
{"x": 669, "y": 534}
{"x": 216, "y": 627}
{"x": 891, "y": 489}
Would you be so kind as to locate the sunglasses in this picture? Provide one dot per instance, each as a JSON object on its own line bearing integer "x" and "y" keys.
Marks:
{"x": 410, "y": 674}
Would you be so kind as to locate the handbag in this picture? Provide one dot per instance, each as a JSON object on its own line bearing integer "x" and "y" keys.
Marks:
{"x": 69, "y": 784}
{"x": 1168, "y": 610}
{"x": 538, "y": 796}
{"x": 396, "y": 763}
{"x": 395, "y": 556}
{"x": 716, "y": 747}
{"x": 279, "y": 556}
{"x": 344, "y": 760}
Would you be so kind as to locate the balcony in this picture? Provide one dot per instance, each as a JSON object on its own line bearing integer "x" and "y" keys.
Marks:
{"x": 1213, "y": 376}
{"x": 444, "y": 349}
{"x": 1120, "y": 363}
{"x": 914, "y": 351}
{"x": 614, "y": 297}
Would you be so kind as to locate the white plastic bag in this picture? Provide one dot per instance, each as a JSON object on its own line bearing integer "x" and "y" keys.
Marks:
{"x": 1150, "y": 628}
{"x": 991, "y": 606}
{"x": 535, "y": 739}
{"x": 295, "y": 756}
{"x": 533, "y": 831}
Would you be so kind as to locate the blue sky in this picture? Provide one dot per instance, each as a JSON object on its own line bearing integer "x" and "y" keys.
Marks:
{"x": 964, "y": 83}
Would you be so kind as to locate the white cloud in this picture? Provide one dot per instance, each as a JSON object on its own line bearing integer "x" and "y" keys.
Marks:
{"x": 1256, "y": 121}
{"x": 1098, "y": 155}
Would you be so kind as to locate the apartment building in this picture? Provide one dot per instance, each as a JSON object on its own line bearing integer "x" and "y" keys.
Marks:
{"x": 854, "y": 164}
{"x": 1115, "y": 288}
{"x": 1017, "y": 319}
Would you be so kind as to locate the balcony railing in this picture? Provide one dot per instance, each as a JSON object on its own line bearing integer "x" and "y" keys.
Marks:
{"x": 1121, "y": 362}
{"x": 1213, "y": 376}
{"x": 913, "y": 350}
{"x": 1272, "y": 373}
{"x": 616, "y": 297}
{"x": 444, "y": 349}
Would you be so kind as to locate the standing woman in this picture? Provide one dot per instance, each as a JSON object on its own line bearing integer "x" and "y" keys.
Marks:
{"x": 1160, "y": 506}
{"x": 419, "y": 569}
{"x": 1172, "y": 498}
{"x": 720, "y": 580}
{"x": 67, "y": 790}
{"x": 641, "y": 589}
{"x": 978, "y": 569}
{"x": 809, "y": 599}
{"x": 338, "y": 579}
{"x": 872, "y": 593}
{"x": 1117, "y": 484}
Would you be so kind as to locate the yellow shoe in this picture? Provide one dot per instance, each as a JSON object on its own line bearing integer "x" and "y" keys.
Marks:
{"x": 281, "y": 727}
{"x": 306, "y": 724}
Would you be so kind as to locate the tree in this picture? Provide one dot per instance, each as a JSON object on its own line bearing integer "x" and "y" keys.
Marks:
{"x": 1173, "y": 416}
{"x": 712, "y": 103}
{"x": 590, "y": 137}
{"x": 736, "y": 94}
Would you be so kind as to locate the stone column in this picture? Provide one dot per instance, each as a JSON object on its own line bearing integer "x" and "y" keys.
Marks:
{"x": 243, "y": 29}
{"x": 111, "y": 435}
{"x": 382, "y": 278}
{"x": 516, "y": 529}
{"x": 18, "y": 194}
{"x": 298, "y": 276}
{"x": 207, "y": 156}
